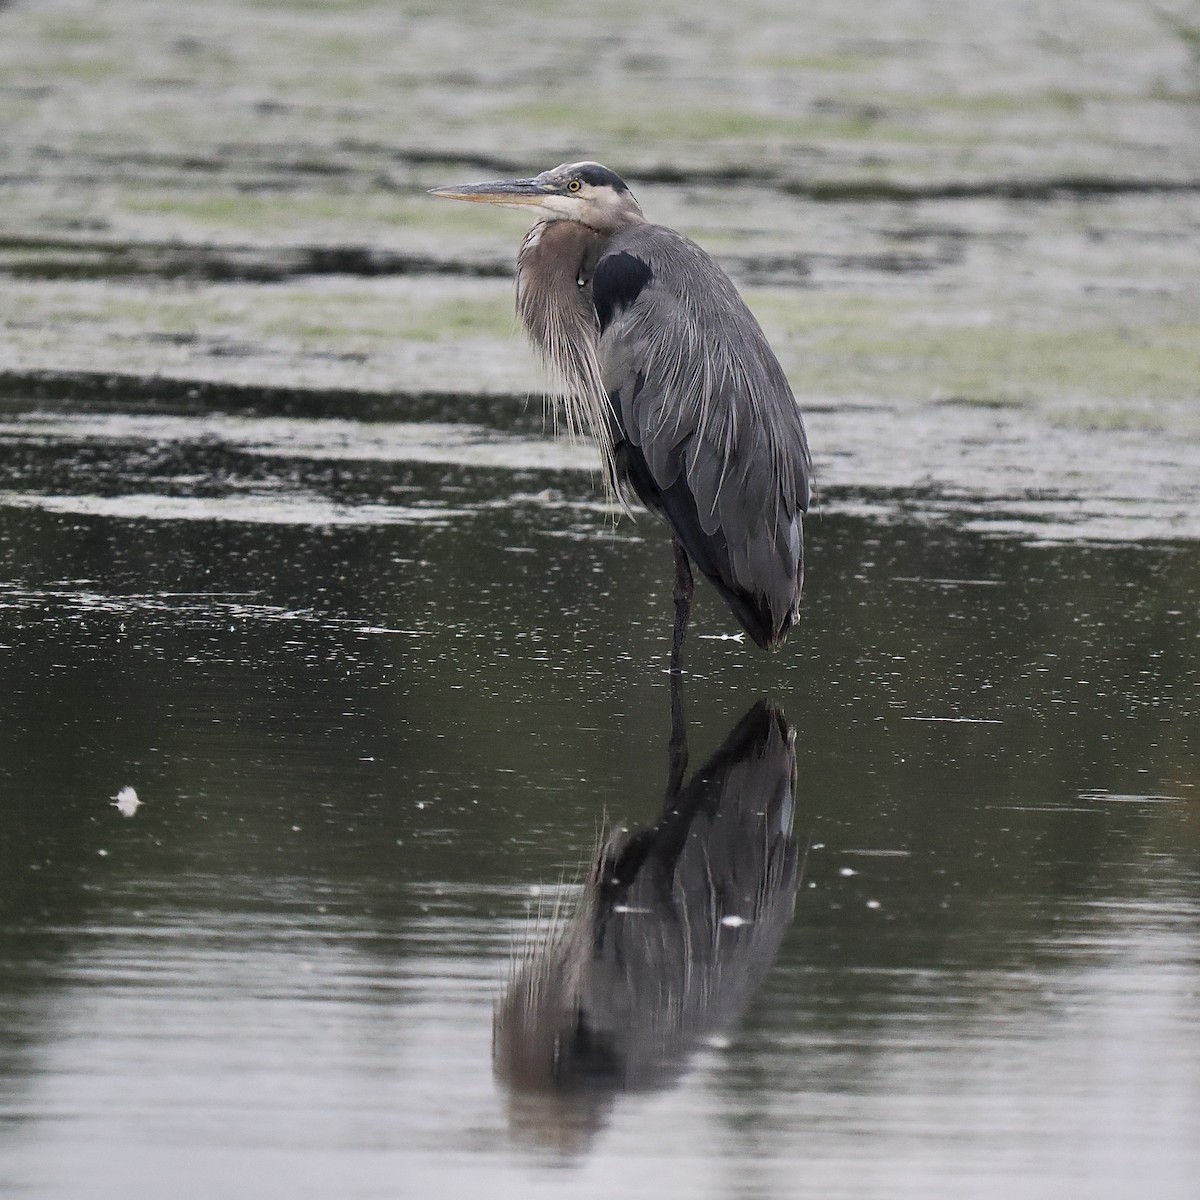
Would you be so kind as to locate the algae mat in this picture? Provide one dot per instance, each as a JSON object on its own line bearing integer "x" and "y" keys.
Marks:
{"x": 960, "y": 229}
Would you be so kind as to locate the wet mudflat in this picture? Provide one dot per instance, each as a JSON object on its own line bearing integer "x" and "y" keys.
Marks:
{"x": 285, "y": 548}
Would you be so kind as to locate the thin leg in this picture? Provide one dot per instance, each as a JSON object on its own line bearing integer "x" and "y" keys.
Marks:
{"x": 683, "y": 603}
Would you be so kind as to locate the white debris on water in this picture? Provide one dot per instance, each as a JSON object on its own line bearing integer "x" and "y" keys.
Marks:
{"x": 126, "y": 802}
{"x": 1104, "y": 797}
{"x": 958, "y": 720}
{"x": 297, "y": 508}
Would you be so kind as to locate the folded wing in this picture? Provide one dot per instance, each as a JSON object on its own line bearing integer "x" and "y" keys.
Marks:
{"x": 707, "y": 432}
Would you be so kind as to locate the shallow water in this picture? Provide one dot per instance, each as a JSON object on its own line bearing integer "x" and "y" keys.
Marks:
{"x": 282, "y": 549}
{"x": 377, "y": 688}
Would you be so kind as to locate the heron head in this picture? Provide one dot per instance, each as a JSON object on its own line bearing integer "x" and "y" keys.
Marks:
{"x": 582, "y": 191}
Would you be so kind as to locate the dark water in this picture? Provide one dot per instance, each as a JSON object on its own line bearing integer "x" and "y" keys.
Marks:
{"x": 377, "y": 692}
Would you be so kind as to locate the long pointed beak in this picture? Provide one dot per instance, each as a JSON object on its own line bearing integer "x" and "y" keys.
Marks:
{"x": 514, "y": 192}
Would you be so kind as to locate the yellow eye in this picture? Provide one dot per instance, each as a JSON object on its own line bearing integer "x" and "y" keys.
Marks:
{"x": 574, "y": 185}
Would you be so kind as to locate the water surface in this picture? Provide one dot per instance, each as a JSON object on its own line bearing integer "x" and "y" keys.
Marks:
{"x": 378, "y": 688}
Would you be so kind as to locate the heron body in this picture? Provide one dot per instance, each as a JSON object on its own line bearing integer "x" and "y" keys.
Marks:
{"x": 663, "y": 363}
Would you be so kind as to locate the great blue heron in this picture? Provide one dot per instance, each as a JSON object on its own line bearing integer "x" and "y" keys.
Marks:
{"x": 666, "y": 367}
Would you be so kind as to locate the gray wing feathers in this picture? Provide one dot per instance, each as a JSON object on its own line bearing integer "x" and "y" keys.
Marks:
{"x": 701, "y": 393}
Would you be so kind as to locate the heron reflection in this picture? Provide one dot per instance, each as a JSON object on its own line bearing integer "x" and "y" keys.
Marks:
{"x": 675, "y": 929}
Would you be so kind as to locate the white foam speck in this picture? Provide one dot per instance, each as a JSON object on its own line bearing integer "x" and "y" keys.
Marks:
{"x": 126, "y": 802}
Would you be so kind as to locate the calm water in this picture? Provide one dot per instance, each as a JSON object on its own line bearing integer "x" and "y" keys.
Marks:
{"x": 378, "y": 687}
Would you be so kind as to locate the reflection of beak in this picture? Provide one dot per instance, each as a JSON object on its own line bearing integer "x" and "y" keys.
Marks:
{"x": 516, "y": 193}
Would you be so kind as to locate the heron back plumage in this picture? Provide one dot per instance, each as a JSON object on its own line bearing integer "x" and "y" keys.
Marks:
{"x": 706, "y": 428}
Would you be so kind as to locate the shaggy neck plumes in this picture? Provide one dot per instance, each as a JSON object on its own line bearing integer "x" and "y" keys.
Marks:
{"x": 554, "y": 269}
